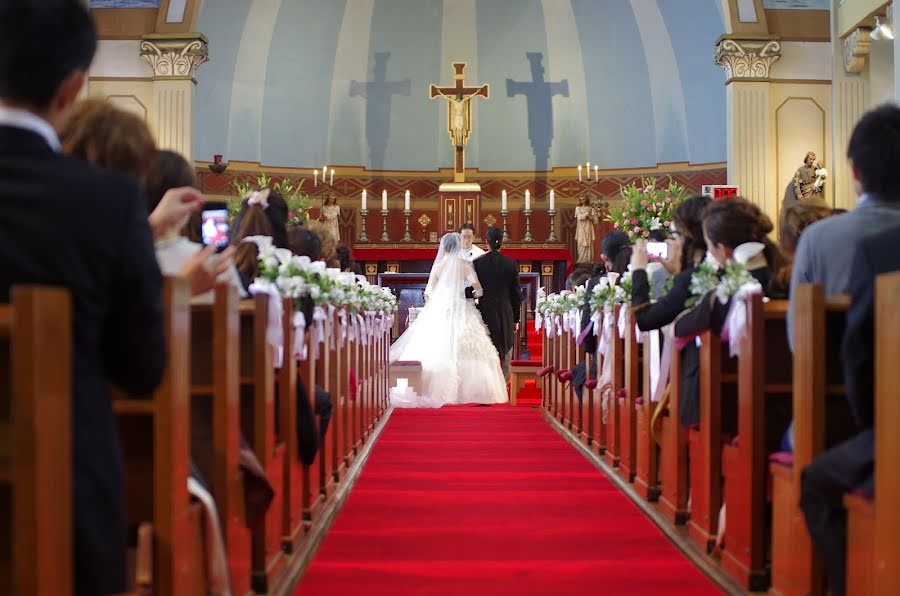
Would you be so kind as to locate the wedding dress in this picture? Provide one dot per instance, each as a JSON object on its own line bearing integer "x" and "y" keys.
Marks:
{"x": 459, "y": 363}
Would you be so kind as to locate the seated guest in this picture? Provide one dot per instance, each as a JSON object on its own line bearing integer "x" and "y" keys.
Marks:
{"x": 577, "y": 278}
{"x": 260, "y": 215}
{"x": 345, "y": 258}
{"x": 69, "y": 224}
{"x": 686, "y": 250}
{"x": 111, "y": 138}
{"x": 173, "y": 251}
{"x": 794, "y": 220}
{"x": 615, "y": 252}
{"x": 874, "y": 153}
{"x": 826, "y": 248}
{"x": 730, "y": 227}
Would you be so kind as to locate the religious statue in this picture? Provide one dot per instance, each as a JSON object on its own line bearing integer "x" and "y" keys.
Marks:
{"x": 459, "y": 113}
{"x": 329, "y": 215}
{"x": 585, "y": 218}
{"x": 805, "y": 187}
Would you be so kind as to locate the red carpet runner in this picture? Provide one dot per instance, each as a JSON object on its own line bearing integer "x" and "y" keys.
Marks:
{"x": 490, "y": 500}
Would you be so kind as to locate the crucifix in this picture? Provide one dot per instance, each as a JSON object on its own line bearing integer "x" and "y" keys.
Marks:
{"x": 459, "y": 114}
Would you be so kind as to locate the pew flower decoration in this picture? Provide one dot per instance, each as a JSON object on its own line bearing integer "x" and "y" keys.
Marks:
{"x": 607, "y": 295}
{"x": 704, "y": 280}
{"x": 734, "y": 277}
{"x": 646, "y": 207}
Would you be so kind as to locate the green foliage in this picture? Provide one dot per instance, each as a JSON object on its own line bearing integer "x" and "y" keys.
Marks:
{"x": 646, "y": 207}
{"x": 298, "y": 202}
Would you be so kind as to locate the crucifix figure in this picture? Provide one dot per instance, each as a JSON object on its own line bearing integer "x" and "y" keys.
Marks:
{"x": 459, "y": 114}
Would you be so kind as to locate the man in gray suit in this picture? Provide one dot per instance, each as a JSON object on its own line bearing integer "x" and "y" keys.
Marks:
{"x": 825, "y": 252}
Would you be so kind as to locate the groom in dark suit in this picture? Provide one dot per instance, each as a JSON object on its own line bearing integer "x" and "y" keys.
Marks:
{"x": 64, "y": 223}
{"x": 499, "y": 306}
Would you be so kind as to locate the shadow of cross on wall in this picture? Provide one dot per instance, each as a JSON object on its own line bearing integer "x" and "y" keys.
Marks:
{"x": 539, "y": 95}
{"x": 378, "y": 94}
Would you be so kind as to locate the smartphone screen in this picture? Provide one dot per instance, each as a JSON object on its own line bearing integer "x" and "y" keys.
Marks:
{"x": 658, "y": 249}
{"x": 214, "y": 225}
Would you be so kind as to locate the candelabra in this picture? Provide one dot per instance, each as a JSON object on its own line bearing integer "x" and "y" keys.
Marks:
{"x": 503, "y": 214}
{"x": 384, "y": 234}
{"x": 362, "y": 234}
{"x": 552, "y": 236}
{"x": 407, "y": 237}
{"x": 527, "y": 237}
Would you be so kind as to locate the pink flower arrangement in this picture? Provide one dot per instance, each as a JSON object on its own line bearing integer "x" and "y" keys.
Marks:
{"x": 646, "y": 207}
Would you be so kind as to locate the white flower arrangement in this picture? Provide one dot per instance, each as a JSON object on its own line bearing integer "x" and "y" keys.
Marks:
{"x": 734, "y": 278}
{"x": 704, "y": 280}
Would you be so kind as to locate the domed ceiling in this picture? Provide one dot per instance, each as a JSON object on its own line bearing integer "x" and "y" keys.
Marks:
{"x": 619, "y": 83}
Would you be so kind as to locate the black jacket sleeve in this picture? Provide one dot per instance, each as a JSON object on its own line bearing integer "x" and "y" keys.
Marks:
{"x": 857, "y": 350}
{"x": 590, "y": 340}
{"x": 133, "y": 343}
{"x": 515, "y": 294}
{"x": 666, "y": 309}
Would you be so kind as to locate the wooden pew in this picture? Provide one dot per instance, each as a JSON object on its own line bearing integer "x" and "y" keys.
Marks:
{"x": 873, "y": 552}
{"x": 717, "y": 385}
{"x": 155, "y": 436}
{"x": 36, "y": 443}
{"x": 615, "y": 352}
{"x": 764, "y": 391}
{"x": 216, "y": 423}
{"x": 674, "y": 453}
{"x": 627, "y": 402}
{"x": 818, "y": 405}
{"x": 258, "y": 425}
{"x": 646, "y": 472}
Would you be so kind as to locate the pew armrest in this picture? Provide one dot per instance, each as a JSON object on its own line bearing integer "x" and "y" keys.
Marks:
{"x": 546, "y": 370}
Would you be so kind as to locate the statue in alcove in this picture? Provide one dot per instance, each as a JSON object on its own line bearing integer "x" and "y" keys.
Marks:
{"x": 585, "y": 219}
{"x": 808, "y": 183}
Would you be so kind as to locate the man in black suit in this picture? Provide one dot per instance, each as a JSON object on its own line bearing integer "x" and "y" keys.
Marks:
{"x": 874, "y": 153}
{"x": 64, "y": 223}
{"x": 499, "y": 306}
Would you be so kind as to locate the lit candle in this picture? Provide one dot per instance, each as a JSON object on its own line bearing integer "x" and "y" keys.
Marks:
{"x": 579, "y": 173}
{"x": 503, "y": 200}
{"x": 364, "y": 200}
{"x": 406, "y": 201}
{"x": 588, "y": 170}
{"x": 527, "y": 200}
{"x": 331, "y": 181}
{"x": 596, "y": 173}
{"x": 315, "y": 177}
{"x": 552, "y": 200}
{"x": 384, "y": 200}
{"x": 324, "y": 173}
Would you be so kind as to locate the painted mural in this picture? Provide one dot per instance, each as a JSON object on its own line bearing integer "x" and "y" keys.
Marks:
{"x": 304, "y": 83}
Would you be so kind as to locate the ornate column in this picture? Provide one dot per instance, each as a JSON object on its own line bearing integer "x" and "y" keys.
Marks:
{"x": 747, "y": 61}
{"x": 850, "y": 100}
{"x": 174, "y": 59}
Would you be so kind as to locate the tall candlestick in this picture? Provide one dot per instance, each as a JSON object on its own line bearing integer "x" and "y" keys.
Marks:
{"x": 331, "y": 181}
{"x": 406, "y": 201}
{"x": 503, "y": 201}
{"x": 315, "y": 177}
{"x": 527, "y": 200}
{"x": 589, "y": 170}
{"x": 596, "y": 173}
{"x": 364, "y": 197}
{"x": 324, "y": 173}
{"x": 384, "y": 200}
{"x": 579, "y": 173}
{"x": 552, "y": 200}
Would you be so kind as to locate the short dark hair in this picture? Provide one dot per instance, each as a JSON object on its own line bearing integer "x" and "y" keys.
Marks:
{"x": 874, "y": 149}
{"x": 169, "y": 170}
{"x": 466, "y": 226}
{"x": 495, "y": 238}
{"x": 41, "y": 44}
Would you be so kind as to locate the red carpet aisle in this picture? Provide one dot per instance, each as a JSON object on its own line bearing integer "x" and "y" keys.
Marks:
{"x": 490, "y": 500}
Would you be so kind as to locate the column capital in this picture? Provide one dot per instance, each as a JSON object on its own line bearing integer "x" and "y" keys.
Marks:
{"x": 174, "y": 56}
{"x": 747, "y": 57}
{"x": 856, "y": 47}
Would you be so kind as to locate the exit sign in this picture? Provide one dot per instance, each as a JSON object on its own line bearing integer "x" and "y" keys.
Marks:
{"x": 718, "y": 192}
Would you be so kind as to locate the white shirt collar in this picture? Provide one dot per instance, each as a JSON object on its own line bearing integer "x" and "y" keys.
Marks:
{"x": 31, "y": 122}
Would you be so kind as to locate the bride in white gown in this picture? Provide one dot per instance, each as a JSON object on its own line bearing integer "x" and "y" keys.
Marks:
{"x": 459, "y": 363}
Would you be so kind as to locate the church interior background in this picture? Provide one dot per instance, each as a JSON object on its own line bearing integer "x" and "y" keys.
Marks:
{"x": 585, "y": 97}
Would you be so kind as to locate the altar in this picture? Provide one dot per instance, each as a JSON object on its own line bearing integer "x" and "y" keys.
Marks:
{"x": 549, "y": 262}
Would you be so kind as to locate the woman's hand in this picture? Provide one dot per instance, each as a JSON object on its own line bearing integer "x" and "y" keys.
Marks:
{"x": 639, "y": 258}
{"x": 672, "y": 262}
{"x": 205, "y": 267}
{"x": 175, "y": 205}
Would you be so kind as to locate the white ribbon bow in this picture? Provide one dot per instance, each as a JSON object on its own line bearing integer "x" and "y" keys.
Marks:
{"x": 258, "y": 197}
